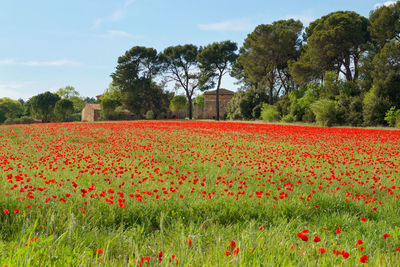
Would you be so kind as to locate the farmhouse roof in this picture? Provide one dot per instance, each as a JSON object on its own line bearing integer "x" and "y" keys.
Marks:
{"x": 222, "y": 91}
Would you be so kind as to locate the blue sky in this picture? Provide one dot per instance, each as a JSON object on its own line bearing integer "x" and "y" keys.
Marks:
{"x": 48, "y": 44}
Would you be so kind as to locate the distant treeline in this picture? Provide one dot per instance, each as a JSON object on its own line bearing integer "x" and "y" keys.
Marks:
{"x": 343, "y": 69}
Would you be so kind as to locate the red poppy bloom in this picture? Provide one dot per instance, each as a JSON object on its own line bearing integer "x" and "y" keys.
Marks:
{"x": 345, "y": 254}
{"x": 359, "y": 242}
{"x": 338, "y": 230}
{"x": 364, "y": 258}
{"x": 317, "y": 239}
{"x": 386, "y": 235}
{"x": 321, "y": 250}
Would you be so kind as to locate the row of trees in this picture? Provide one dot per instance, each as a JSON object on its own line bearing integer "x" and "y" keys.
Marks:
{"x": 342, "y": 64}
{"x": 64, "y": 105}
{"x": 191, "y": 68}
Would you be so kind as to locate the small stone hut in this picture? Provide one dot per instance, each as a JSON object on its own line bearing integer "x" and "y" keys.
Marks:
{"x": 91, "y": 112}
{"x": 209, "y": 110}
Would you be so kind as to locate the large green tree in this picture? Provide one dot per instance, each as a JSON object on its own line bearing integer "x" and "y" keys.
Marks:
{"x": 134, "y": 77}
{"x": 10, "y": 108}
{"x": 63, "y": 109}
{"x": 265, "y": 55}
{"x": 216, "y": 60}
{"x": 182, "y": 68}
{"x": 71, "y": 94}
{"x": 335, "y": 42}
{"x": 42, "y": 105}
{"x": 385, "y": 23}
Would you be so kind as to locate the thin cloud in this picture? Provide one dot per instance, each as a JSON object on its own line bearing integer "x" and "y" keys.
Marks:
{"x": 237, "y": 25}
{"x": 54, "y": 63}
{"x": 115, "y": 16}
{"x": 7, "y": 62}
{"x": 117, "y": 33}
{"x": 14, "y": 90}
{"x": 387, "y": 3}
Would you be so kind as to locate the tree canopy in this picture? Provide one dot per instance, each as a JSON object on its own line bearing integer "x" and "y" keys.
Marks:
{"x": 215, "y": 61}
{"x": 334, "y": 43}
{"x": 181, "y": 66}
{"x": 265, "y": 55}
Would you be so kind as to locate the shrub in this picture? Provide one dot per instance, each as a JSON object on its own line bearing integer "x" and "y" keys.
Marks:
{"x": 288, "y": 118}
{"x": 391, "y": 116}
{"x": 22, "y": 120}
{"x": 149, "y": 115}
{"x": 325, "y": 112}
{"x": 269, "y": 113}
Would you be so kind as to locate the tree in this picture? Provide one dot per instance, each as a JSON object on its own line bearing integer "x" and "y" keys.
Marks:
{"x": 181, "y": 65}
{"x": 385, "y": 23}
{"x": 335, "y": 42}
{"x": 70, "y": 93}
{"x": 178, "y": 104}
{"x": 42, "y": 105}
{"x": 265, "y": 55}
{"x": 67, "y": 92}
{"x": 215, "y": 61}
{"x": 134, "y": 77}
{"x": 246, "y": 104}
{"x": 10, "y": 108}
{"x": 63, "y": 109}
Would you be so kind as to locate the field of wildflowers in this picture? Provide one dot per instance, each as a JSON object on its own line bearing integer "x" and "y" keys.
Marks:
{"x": 198, "y": 193}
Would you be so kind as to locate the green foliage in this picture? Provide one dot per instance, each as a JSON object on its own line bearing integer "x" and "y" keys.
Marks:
{"x": 10, "y": 109}
{"x": 178, "y": 103}
{"x": 349, "y": 109}
{"x": 288, "y": 118}
{"x": 22, "y": 120}
{"x": 199, "y": 100}
{"x": 2, "y": 116}
{"x": 385, "y": 23}
{"x": 325, "y": 112}
{"x": 334, "y": 43}
{"x": 386, "y": 73}
{"x": 134, "y": 78}
{"x": 215, "y": 60}
{"x": 246, "y": 104}
{"x": 301, "y": 100}
{"x": 180, "y": 62}
{"x": 263, "y": 61}
{"x": 67, "y": 92}
{"x": 63, "y": 109}
{"x": 42, "y": 105}
{"x": 108, "y": 106}
{"x": 374, "y": 109}
{"x": 150, "y": 115}
{"x": 283, "y": 105}
{"x": 269, "y": 113}
{"x": 391, "y": 116}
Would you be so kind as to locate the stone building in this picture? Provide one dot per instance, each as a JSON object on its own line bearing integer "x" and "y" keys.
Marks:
{"x": 209, "y": 110}
{"x": 91, "y": 112}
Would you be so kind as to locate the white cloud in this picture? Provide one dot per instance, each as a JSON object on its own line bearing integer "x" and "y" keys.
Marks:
{"x": 7, "y": 61}
{"x": 387, "y": 3}
{"x": 13, "y": 90}
{"x": 117, "y": 33}
{"x": 305, "y": 19}
{"x": 228, "y": 25}
{"x": 54, "y": 63}
{"x": 115, "y": 16}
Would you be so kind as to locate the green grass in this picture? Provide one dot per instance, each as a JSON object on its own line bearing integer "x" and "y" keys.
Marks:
{"x": 67, "y": 236}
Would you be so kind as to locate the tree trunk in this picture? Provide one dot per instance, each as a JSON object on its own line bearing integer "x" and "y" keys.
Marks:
{"x": 190, "y": 108}
{"x": 217, "y": 97}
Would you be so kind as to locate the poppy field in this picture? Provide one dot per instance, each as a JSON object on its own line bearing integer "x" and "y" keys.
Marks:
{"x": 167, "y": 193}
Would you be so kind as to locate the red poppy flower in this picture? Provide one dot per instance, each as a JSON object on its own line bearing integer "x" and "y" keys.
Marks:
{"x": 317, "y": 239}
{"x": 386, "y": 235}
{"x": 338, "y": 230}
{"x": 364, "y": 258}
{"x": 321, "y": 250}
